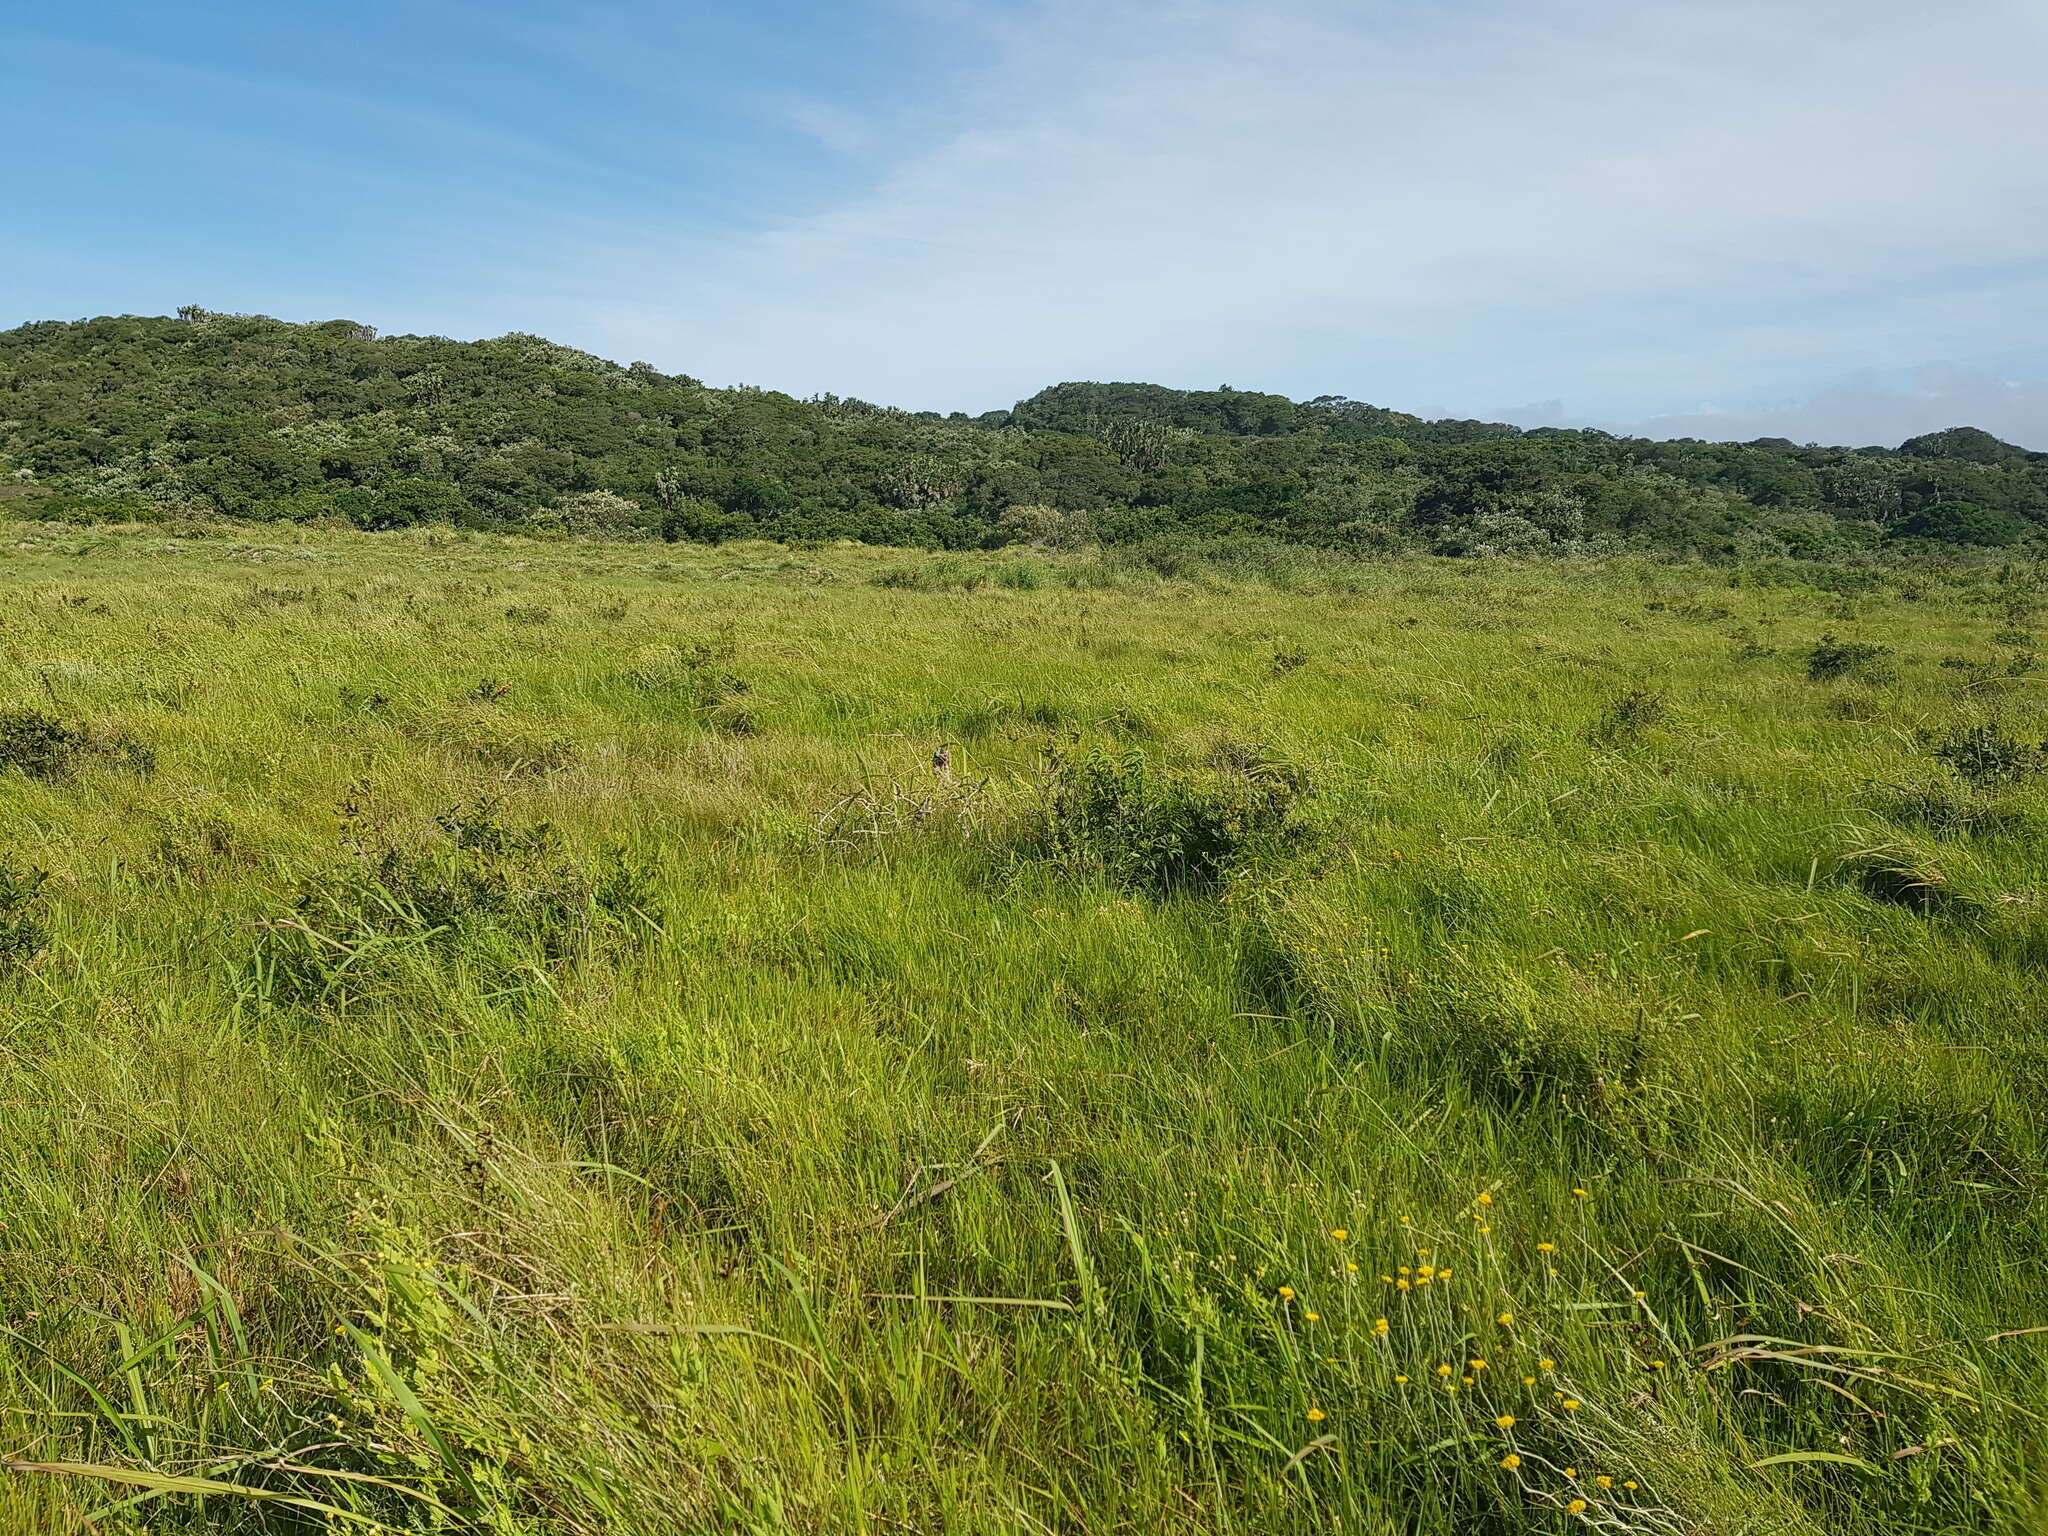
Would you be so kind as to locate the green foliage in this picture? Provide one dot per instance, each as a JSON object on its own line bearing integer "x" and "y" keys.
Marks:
{"x": 1984, "y": 755}
{"x": 133, "y": 419}
{"x": 1116, "y": 815}
{"x": 37, "y": 744}
{"x": 486, "y": 893}
{"x": 24, "y": 906}
{"x": 44, "y": 747}
{"x": 1833, "y": 658}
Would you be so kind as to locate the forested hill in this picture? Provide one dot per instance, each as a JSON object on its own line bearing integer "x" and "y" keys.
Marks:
{"x": 246, "y": 417}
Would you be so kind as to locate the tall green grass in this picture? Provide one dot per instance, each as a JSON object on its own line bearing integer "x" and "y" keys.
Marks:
{"x": 516, "y": 1037}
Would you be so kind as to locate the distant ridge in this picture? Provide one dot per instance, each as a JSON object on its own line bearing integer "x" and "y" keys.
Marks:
{"x": 140, "y": 418}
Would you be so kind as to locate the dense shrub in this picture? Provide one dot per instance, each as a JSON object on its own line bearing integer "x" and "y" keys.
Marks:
{"x": 38, "y": 745}
{"x": 23, "y": 907}
{"x": 483, "y": 892}
{"x": 135, "y": 418}
{"x": 1832, "y": 659}
{"x": 1985, "y": 755}
{"x": 44, "y": 747}
{"x": 1119, "y": 816}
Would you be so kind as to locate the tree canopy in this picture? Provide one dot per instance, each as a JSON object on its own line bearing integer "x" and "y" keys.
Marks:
{"x": 123, "y": 418}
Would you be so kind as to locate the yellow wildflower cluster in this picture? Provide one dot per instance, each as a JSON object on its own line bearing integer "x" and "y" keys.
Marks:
{"x": 1496, "y": 1380}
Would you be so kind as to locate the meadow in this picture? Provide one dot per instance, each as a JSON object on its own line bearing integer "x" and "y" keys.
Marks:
{"x": 517, "y": 1036}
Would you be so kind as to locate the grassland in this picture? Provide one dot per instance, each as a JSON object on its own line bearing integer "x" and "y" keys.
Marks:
{"x": 516, "y": 1037}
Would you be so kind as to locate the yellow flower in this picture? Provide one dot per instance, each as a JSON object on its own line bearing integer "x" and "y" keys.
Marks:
{"x": 1404, "y": 1270}
{"x": 1629, "y": 1484}
{"x": 1422, "y": 1253}
{"x": 1443, "y": 1370}
{"x": 1400, "y": 1381}
{"x": 1571, "y": 1471}
{"x": 1478, "y": 1365}
{"x": 1575, "y": 1507}
{"x": 1603, "y": 1482}
{"x": 1313, "y": 1317}
{"x": 1379, "y": 1325}
{"x": 1386, "y": 1279}
{"x": 1287, "y": 1293}
{"x": 1570, "y": 1405}
{"x": 1339, "y": 1233}
{"x": 1425, "y": 1272}
{"x": 1583, "y": 1194}
{"x": 1546, "y": 1247}
{"x": 1404, "y": 1285}
{"x": 1444, "y": 1273}
{"x": 1485, "y": 1198}
{"x": 1484, "y": 1228}
{"x": 1642, "y": 1295}
{"x": 1351, "y": 1268}
{"x": 1505, "y": 1318}
{"x": 1316, "y": 1415}
{"x": 1546, "y": 1365}
{"x": 1506, "y": 1421}
{"x": 1511, "y": 1461}
{"x": 1656, "y": 1365}
{"x": 1469, "y": 1381}
{"x": 1528, "y": 1381}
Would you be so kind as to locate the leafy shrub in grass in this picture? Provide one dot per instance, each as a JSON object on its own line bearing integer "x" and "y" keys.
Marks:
{"x": 1833, "y": 659}
{"x": 44, "y": 747}
{"x": 1986, "y": 755}
{"x": 23, "y": 906}
{"x": 1118, "y": 816}
{"x": 1628, "y": 718}
{"x": 500, "y": 898}
{"x": 34, "y": 743}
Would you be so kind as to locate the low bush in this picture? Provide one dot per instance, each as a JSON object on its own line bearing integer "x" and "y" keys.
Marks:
{"x": 1985, "y": 755}
{"x": 44, "y": 747}
{"x": 506, "y": 899}
{"x": 1120, "y": 817}
{"x": 1832, "y": 659}
{"x": 23, "y": 908}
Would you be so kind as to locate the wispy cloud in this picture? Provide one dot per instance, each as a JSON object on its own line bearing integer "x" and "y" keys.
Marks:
{"x": 1869, "y": 410}
{"x": 1628, "y": 206}
{"x": 1416, "y": 201}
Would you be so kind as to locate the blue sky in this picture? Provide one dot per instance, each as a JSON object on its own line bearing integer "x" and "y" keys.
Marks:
{"x": 1826, "y": 219}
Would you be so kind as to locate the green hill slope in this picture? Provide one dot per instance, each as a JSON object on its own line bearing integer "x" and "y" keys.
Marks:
{"x": 242, "y": 416}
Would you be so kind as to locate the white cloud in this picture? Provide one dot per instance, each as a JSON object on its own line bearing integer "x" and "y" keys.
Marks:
{"x": 1859, "y": 411}
{"x": 1409, "y": 203}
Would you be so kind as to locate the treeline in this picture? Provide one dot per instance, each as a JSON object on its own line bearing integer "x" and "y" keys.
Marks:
{"x": 246, "y": 417}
